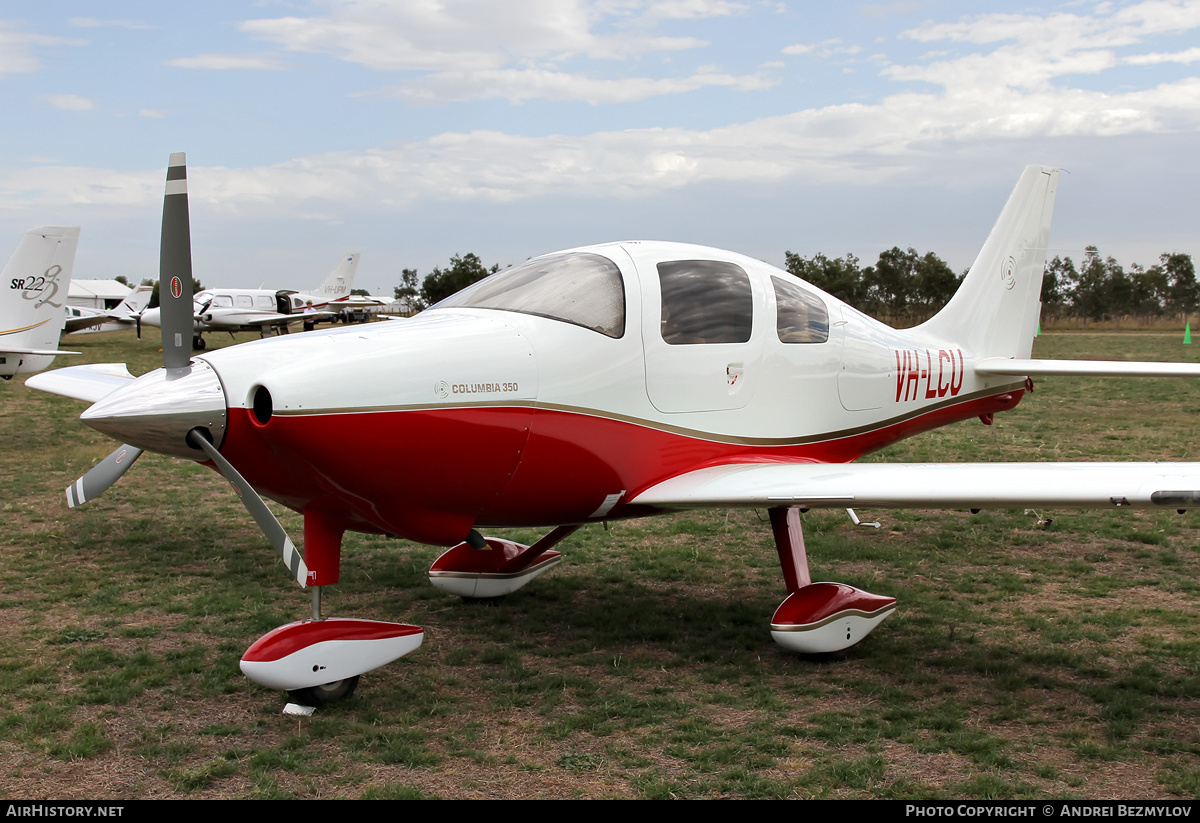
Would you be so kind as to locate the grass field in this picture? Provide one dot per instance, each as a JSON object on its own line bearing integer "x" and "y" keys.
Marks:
{"x": 1025, "y": 660}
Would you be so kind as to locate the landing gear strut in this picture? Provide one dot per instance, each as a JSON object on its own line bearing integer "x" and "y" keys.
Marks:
{"x": 818, "y": 618}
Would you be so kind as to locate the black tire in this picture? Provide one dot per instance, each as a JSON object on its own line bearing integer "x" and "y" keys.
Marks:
{"x": 325, "y": 693}
{"x": 198, "y": 343}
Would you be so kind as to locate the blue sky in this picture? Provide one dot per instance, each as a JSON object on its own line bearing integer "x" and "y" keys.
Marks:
{"x": 416, "y": 129}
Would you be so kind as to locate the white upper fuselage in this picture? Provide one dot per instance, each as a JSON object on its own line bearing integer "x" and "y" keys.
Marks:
{"x": 863, "y": 374}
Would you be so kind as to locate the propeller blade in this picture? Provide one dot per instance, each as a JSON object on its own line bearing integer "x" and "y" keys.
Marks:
{"x": 257, "y": 508}
{"x": 175, "y": 269}
{"x": 101, "y": 476}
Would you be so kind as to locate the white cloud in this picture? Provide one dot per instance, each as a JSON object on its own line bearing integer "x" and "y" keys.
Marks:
{"x": 227, "y": 62}
{"x": 691, "y": 9}
{"x": 982, "y": 94}
{"x": 74, "y": 185}
{"x": 93, "y": 23}
{"x": 824, "y": 49}
{"x": 70, "y": 102}
{"x": 1186, "y": 56}
{"x": 1035, "y": 52}
{"x": 522, "y": 85}
{"x": 154, "y": 114}
{"x": 476, "y": 49}
{"x": 17, "y": 48}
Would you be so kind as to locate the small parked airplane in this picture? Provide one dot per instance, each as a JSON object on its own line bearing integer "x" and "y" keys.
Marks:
{"x": 262, "y": 310}
{"x": 606, "y": 382}
{"x": 124, "y": 313}
{"x": 35, "y": 283}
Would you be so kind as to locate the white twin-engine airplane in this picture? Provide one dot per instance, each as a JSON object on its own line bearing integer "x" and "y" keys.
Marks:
{"x": 606, "y": 382}
{"x": 33, "y": 297}
{"x": 262, "y": 310}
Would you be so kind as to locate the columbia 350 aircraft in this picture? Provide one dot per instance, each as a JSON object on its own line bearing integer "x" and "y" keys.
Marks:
{"x": 264, "y": 309}
{"x": 599, "y": 383}
{"x": 33, "y": 291}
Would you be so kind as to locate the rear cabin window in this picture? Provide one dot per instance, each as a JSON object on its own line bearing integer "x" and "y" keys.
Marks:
{"x": 705, "y": 301}
{"x": 579, "y": 288}
{"x": 800, "y": 316}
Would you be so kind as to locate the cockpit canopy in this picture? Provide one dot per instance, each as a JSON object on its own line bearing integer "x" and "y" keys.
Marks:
{"x": 576, "y": 287}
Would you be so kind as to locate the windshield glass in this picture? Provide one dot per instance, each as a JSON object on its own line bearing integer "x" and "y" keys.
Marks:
{"x": 579, "y": 288}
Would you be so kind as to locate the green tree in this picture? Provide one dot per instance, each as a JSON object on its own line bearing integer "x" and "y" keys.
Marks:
{"x": 1150, "y": 290}
{"x": 1058, "y": 282}
{"x": 840, "y": 277}
{"x": 1183, "y": 292}
{"x": 409, "y": 291}
{"x": 462, "y": 272}
{"x": 907, "y": 285}
{"x": 936, "y": 282}
{"x": 889, "y": 282}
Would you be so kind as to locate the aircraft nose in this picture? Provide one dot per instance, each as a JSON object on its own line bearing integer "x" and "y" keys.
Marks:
{"x": 156, "y": 411}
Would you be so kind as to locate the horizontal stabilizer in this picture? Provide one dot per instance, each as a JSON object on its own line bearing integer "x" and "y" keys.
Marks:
{"x": 931, "y": 485}
{"x": 43, "y": 352}
{"x": 90, "y": 382}
{"x": 1085, "y": 368}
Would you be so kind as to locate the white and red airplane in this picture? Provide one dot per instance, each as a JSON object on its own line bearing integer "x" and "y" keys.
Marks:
{"x": 613, "y": 381}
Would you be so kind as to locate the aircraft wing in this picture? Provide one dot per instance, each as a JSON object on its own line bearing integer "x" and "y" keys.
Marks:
{"x": 78, "y": 323}
{"x": 931, "y": 485}
{"x": 289, "y": 319}
{"x": 90, "y": 382}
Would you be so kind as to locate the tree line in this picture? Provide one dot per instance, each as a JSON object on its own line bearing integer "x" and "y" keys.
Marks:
{"x": 905, "y": 287}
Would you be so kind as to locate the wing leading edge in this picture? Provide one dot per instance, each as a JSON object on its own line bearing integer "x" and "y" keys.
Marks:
{"x": 931, "y": 485}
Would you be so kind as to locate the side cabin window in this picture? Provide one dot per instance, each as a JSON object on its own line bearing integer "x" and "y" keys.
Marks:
{"x": 265, "y": 301}
{"x": 579, "y": 288}
{"x": 800, "y": 316}
{"x": 223, "y": 301}
{"x": 245, "y": 301}
{"x": 705, "y": 301}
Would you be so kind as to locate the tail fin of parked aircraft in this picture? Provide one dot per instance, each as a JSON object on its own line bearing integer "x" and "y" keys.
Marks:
{"x": 33, "y": 292}
{"x": 339, "y": 283}
{"x": 134, "y": 303}
{"x": 995, "y": 311}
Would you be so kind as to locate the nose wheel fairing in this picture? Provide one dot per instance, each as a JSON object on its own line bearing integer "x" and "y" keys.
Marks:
{"x": 312, "y": 653}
